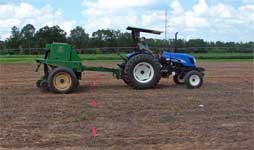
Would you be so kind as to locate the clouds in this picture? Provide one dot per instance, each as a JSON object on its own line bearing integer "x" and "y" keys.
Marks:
{"x": 117, "y": 5}
{"x": 176, "y": 8}
{"x": 208, "y": 19}
{"x": 24, "y": 13}
{"x": 248, "y": 1}
{"x": 119, "y": 14}
{"x": 220, "y": 21}
{"x": 200, "y": 8}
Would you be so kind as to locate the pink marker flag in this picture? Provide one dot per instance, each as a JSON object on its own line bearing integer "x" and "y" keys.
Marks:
{"x": 91, "y": 92}
{"x": 93, "y": 132}
{"x": 94, "y": 82}
{"x": 94, "y": 103}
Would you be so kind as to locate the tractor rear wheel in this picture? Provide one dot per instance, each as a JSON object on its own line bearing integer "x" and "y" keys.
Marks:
{"x": 123, "y": 77}
{"x": 62, "y": 80}
{"x": 142, "y": 71}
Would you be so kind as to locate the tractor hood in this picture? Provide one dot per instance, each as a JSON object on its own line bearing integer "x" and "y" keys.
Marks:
{"x": 184, "y": 59}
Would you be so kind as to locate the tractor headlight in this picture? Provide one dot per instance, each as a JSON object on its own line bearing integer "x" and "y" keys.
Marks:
{"x": 192, "y": 60}
{"x": 195, "y": 61}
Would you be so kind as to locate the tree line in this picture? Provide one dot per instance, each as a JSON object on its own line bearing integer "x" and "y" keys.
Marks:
{"x": 29, "y": 37}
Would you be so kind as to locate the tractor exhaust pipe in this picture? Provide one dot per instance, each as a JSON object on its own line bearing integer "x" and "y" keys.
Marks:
{"x": 176, "y": 41}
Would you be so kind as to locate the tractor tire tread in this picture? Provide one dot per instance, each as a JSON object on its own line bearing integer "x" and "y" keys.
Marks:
{"x": 187, "y": 76}
{"x": 128, "y": 71}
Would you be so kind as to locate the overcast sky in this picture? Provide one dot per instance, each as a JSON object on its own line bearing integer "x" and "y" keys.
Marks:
{"x": 212, "y": 20}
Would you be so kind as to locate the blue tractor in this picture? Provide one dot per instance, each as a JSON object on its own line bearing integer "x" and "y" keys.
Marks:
{"x": 142, "y": 69}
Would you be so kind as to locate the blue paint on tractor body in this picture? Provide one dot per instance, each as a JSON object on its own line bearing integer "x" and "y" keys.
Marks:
{"x": 184, "y": 59}
{"x": 180, "y": 58}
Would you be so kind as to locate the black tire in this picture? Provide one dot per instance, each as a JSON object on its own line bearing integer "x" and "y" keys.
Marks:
{"x": 126, "y": 81}
{"x": 142, "y": 58}
{"x": 53, "y": 81}
{"x": 179, "y": 79}
{"x": 38, "y": 83}
{"x": 193, "y": 79}
{"x": 124, "y": 78}
{"x": 77, "y": 86}
{"x": 44, "y": 85}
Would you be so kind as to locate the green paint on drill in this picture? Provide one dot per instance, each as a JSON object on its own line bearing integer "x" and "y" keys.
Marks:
{"x": 64, "y": 55}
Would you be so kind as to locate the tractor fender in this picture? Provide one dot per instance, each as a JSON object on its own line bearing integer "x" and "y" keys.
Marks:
{"x": 201, "y": 70}
{"x": 137, "y": 52}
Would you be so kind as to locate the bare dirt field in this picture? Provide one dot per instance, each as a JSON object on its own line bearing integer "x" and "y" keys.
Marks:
{"x": 219, "y": 115}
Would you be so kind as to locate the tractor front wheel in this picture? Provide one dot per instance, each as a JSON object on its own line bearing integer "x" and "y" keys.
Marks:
{"x": 179, "y": 79}
{"x": 193, "y": 79}
{"x": 62, "y": 80}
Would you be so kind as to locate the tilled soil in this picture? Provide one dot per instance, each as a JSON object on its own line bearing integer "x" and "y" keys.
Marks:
{"x": 219, "y": 115}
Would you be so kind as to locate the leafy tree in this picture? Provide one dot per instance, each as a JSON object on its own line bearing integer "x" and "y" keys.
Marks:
{"x": 125, "y": 39}
{"x": 47, "y": 35}
{"x": 105, "y": 38}
{"x": 27, "y": 35}
{"x": 180, "y": 43}
{"x": 1, "y": 44}
{"x": 79, "y": 38}
{"x": 14, "y": 40}
{"x": 197, "y": 45}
